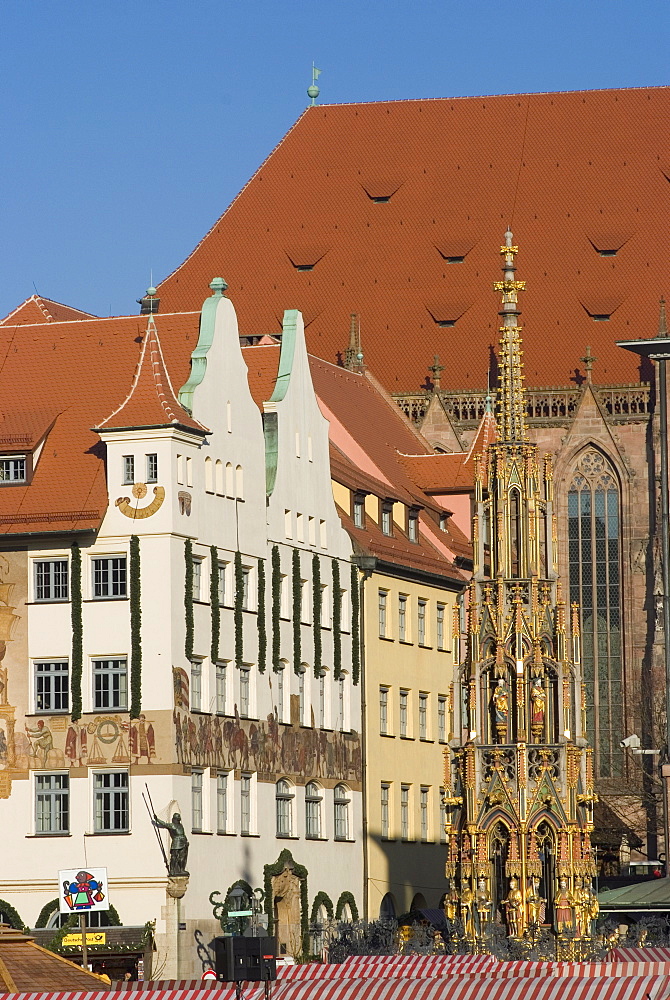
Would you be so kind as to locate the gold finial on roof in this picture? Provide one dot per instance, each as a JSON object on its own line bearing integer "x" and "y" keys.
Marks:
{"x": 511, "y": 403}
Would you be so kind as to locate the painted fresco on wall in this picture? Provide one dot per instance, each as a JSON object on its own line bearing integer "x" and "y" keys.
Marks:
{"x": 56, "y": 741}
{"x": 266, "y": 746}
{"x": 12, "y": 597}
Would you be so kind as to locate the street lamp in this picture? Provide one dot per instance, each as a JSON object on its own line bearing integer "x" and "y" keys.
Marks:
{"x": 658, "y": 349}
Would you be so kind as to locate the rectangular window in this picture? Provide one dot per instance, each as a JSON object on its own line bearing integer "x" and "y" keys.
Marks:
{"x": 383, "y": 710}
{"x": 325, "y": 606}
{"x": 52, "y": 686}
{"x": 441, "y": 718}
{"x": 196, "y": 800}
{"x": 52, "y": 803}
{"x": 246, "y": 588}
{"x": 128, "y": 470}
{"x": 301, "y": 697}
{"x": 341, "y": 695}
{"x": 341, "y": 813}
{"x": 386, "y": 819}
{"x": 383, "y": 596}
{"x": 13, "y": 469}
{"x": 402, "y": 618}
{"x": 404, "y": 812}
{"x": 180, "y": 470}
{"x": 311, "y": 531}
{"x": 359, "y": 512}
{"x": 322, "y": 700}
{"x": 300, "y": 530}
{"x": 313, "y": 801}
{"x": 413, "y": 527}
{"x": 387, "y": 514}
{"x": 288, "y": 523}
{"x": 196, "y": 685}
{"x": 221, "y": 688}
{"x": 323, "y": 534}
{"x": 152, "y": 468}
{"x": 423, "y": 715}
{"x": 197, "y": 578}
{"x": 440, "y": 626}
{"x": 245, "y": 693}
{"x": 222, "y": 570}
{"x": 110, "y": 684}
{"x": 443, "y": 818}
{"x": 421, "y": 618}
{"x": 424, "y": 813}
{"x": 404, "y": 699}
{"x": 280, "y": 694}
{"x": 222, "y": 802}
{"x": 304, "y": 602}
{"x": 245, "y": 804}
{"x": 111, "y": 802}
{"x": 284, "y": 596}
{"x": 189, "y": 471}
{"x": 109, "y": 576}
{"x": 51, "y": 580}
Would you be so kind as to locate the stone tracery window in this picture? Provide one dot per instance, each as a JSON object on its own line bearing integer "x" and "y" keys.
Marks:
{"x": 594, "y": 557}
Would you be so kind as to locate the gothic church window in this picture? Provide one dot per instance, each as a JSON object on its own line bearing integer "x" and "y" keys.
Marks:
{"x": 594, "y": 557}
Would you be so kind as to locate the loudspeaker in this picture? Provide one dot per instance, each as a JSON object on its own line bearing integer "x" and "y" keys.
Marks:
{"x": 245, "y": 958}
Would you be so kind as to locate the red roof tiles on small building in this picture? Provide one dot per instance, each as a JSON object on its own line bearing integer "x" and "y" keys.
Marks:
{"x": 39, "y": 310}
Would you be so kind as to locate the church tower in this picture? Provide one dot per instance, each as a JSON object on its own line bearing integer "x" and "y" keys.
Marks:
{"x": 519, "y": 778}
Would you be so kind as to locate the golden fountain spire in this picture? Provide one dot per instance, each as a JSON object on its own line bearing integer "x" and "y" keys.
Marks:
{"x": 511, "y": 403}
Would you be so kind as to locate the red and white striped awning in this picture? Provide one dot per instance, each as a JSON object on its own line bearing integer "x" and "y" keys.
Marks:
{"x": 639, "y": 955}
{"x": 390, "y": 967}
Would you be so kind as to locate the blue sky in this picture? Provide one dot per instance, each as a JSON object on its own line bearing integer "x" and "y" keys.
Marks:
{"x": 128, "y": 127}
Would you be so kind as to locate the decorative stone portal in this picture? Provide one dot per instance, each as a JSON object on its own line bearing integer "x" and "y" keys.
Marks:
{"x": 286, "y": 885}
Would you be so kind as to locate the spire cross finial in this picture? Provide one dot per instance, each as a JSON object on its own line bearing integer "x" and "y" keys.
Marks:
{"x": 588, "y": 361}
{"x": 436, "y": 369}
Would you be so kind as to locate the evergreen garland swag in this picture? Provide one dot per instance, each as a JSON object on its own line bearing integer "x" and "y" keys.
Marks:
{"x": 237, "y": 614}
{"x": 270, "y": 871}
{"x": 346, "y": 897}
{"x": 77, "y": 631}
{"x": 355, "y": 626}
{"x": 337, "y": 621}
{"x": 188, "y": 598}
{"x": 135, "y": 629}
{"x": 214, "y": 602}
{"x": 321, "y": 899}
{"x": 262, "y": 625}
{"x": 276, "y": 609}
{"x": 316, "y": 613}
{"x": 297, "y": 608}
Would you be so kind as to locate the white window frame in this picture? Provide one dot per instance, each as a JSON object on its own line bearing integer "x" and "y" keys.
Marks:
{"x": 245, "y": 682}
{"x": 95, "y": 775}
{"x": 197, "y": 800}
{"x": 196, "y": 685}
{"x": 342, "y": 813}
{"x": 403, "y": 601}
{"x": 384, "y": 729}
{"x": 403, "y": 712}
{"x": 225, "y": 782}
{"x": 248, "y": 804}
{"x": 110, "y": 570}
{"x": 152, "y": 467}
{"x": 51, "y": 676}
{"x": 314, "y": 811}
{"x": 222, "y": 682}
{"x": 382, "y": 598}
{"x": 385, "y": 810}
{"x": 424, "y": 807}
{"x": 128, "y": 470}
{"x": 422, "y": 621}
{"x": 423, "y": 715}
{"x": 405, "y": 812}
{"x": 63, "y": 589}
{"x": 284, "y": 808}
{"x": 440, "y": 620}
{"x": 442, "y": 718}
{"x": 121, "y": 704}
{"x": 197, "y": 577}
{"x": 55, "y": 809}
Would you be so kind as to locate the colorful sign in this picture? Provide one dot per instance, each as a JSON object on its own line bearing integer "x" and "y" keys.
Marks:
{"x": 82, "y": 890}
{"x": 92, "y": 938}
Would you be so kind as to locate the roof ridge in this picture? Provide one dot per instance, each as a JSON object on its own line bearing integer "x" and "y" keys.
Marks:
{"x": 97, "y": 319}
{"x": 474, "y": 97}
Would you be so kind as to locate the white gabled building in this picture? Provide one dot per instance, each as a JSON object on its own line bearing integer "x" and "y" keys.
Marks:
{"x": 215, "y": 688}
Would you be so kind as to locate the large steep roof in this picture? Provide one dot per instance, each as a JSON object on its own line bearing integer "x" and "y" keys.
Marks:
{"x": 583, "y": 178}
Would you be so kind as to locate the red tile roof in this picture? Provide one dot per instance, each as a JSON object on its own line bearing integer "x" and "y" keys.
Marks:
{"x": 25, "y": 966}
{"x": 444, "y": 474}
{"x": 151, "y": 401}
{"x": 77, "y": 371}
{"x": 570, "y": 172}
{"x": 39, "y": 310}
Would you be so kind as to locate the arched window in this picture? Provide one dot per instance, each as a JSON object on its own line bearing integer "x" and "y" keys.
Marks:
{"x": 230, "y": 480}
{"x": 219, "y": 477}
{"x": 209, "y": 484}
{"x": 594, "y": 558}
{"x": 419, "y": 902}
{"x": 284, "y": 800}
{"x": 313, "y": 801}
{"x": 239, "y": 482}
{"x": 515, "y": 534}
{"x": 341, "y": 803}
{"x": 387, "y": 908}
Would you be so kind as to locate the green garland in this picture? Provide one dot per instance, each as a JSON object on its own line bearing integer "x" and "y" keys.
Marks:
{"x": 220, "y": 910}
{"x": 276, "y": 608}
{"x": 188, "y": 598}
{"x": 316, "y": 613}
{"x": 297, "y": 608}
{"x": 270, "y": 872}
{"x": 10, "y": 914}
{"x": 55, "y": 944}
{"x": 237, "y": 613}
{"x": 113, "y": 918}
{"x": 214, "y": 602}
{"x": 135, "y": 629}
{"x": 77, "y": 631}
{"x": 346, "y": 897}
{"x": 355, "y": 626}
{"x": 262, "y": 625}
{"x": 321, "y": 899}
{"x": 337, "y": 621}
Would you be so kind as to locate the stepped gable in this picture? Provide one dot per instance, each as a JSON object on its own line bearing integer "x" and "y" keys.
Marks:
{"x": 36, "y": 309}
{"x": 151, "y": 401}
{"x": 91, "y": 362}
{"x": 406, "y": 229}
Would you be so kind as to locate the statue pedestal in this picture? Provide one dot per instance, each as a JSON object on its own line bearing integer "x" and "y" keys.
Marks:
{"x": 174, "y": 892}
